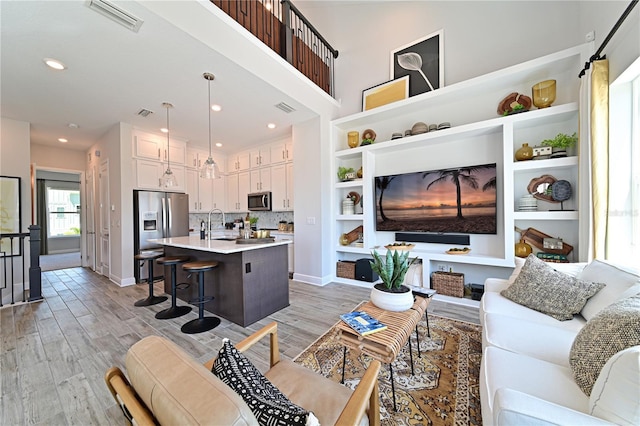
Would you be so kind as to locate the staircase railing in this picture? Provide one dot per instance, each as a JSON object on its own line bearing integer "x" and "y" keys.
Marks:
{"x": 282, "y": 27}
{"x": 13, "y": 267}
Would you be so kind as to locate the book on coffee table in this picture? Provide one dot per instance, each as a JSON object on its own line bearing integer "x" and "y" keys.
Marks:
{"x": 362, "y": 322}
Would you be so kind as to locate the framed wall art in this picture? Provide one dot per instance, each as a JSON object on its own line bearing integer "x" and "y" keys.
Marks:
{"x": 385, "y": 93}
{"x": 10, "y": 214}
{"x": 423, "y": 61}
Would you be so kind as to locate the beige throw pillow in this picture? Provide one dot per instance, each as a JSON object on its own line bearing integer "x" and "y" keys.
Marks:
{"x": 542, "y": 288}
{"x": 615, "y": 328}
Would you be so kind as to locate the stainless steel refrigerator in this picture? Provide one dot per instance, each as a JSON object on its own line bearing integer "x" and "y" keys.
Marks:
{"x": 157, "y": 215}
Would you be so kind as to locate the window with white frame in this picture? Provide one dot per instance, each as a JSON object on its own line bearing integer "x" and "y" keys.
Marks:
{"x": 623, "y": 226}
{"x": 63, "y": 207}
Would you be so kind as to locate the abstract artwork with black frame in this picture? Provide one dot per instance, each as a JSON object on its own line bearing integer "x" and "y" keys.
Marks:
{"x": 423, "y": 61}
{"x": 10, "y": 214}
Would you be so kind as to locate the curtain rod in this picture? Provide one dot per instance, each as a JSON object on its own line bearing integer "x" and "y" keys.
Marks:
{"x": 596, "y": 56}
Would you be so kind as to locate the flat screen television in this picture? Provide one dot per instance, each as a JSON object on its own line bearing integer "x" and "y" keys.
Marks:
{"x": 456, "y": 200}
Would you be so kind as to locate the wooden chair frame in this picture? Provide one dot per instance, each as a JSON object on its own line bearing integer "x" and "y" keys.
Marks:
{"x": 366, "y": 395}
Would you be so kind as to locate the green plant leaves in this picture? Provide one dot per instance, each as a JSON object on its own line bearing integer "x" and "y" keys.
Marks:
{"x": 393, "y": 268}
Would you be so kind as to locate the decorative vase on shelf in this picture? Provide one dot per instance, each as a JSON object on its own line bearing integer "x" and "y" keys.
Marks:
{"x": 544, "y": 93}
{"x": 353, "y": 139}
{"x": 523, "y": 249}
{"x": 524, "y": 153}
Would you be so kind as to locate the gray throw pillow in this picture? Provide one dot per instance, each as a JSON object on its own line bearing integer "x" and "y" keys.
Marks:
{"x": 542, "y": 288}
{"x": 615, "y": 328}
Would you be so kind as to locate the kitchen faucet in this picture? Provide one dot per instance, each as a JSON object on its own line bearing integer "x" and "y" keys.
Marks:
{"x": 209, "y": 220}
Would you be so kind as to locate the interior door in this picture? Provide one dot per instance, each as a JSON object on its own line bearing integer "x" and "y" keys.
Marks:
{"x": 105, "y": 246}
{"x": 91, "y": 220}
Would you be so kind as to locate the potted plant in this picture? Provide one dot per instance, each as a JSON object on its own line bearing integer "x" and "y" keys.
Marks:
{"x": 561, "y": 143}
{"x": 391, "y": 294}
{"x": 253, "y": 221}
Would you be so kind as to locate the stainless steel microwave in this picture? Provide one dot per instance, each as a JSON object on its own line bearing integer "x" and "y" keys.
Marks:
{"x": 259, "y": 201}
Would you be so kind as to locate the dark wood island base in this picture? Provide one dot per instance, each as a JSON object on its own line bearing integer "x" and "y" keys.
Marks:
{"x": 246, "y": 287}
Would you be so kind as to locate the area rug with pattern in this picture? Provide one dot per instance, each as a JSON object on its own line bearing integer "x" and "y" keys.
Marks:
{"x": 444, "y": 388}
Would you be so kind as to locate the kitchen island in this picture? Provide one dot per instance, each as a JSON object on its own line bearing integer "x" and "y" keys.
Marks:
{"x": 250, "y": 283}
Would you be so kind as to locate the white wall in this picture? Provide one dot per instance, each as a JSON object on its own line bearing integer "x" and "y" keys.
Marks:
{"x": 479, "y": 36}
{"x": 624, "y": 47}
{"x": 15, "y": 160}
{"x": 115, "y": 146}
{"x": 54, "y": 157}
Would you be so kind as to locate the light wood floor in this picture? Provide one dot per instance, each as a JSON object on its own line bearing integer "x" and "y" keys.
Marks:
{"x": 54, "y": 353}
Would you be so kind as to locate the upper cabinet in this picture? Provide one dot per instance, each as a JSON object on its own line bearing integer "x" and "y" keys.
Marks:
{"x": 260, "y": 157}
{"x": 154, "y": 147}
{"x": 477, "y": 135}
{"x": 281, "y": 152}
{"x": 239, "y": 162}
{"x": 151, "y": 159}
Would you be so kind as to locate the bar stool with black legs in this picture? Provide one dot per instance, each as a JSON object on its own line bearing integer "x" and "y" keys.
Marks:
{"x": 174, "y": 311}
{"x": 201, "y": 323}
{"x": 150, "y": 256}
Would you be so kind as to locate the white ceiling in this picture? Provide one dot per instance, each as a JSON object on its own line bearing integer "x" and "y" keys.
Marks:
{"x": 113, "y": 72}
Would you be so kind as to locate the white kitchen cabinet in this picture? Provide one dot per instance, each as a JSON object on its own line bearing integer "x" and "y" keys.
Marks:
{"x": 205, "y": 194}
{"x": 282, "y": 187}
{"x": 260, "y": 157}
{"x": 281, "y": 152}
{"x": 154, "y": 147}
{"x": 261, "y": 180}
{"x": 149, "y": 174}
{"x": 239, "y": 162}
{"x": 219, "y": 200}
{"x": 283, "y": 236}
{"x": 238, "y": 185}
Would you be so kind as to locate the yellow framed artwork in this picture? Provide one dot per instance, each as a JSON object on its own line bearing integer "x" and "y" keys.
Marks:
{"x": 385, "y": 93}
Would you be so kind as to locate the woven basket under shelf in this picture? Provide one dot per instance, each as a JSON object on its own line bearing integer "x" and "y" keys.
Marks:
{"x": 448, "y": 283}
{"x": 346, "y": 269}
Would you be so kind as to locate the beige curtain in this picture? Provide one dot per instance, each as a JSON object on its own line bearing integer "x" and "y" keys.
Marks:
{"x": 599, "y": 137}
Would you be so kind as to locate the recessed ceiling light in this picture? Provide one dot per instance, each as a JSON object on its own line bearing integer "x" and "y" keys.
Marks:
{"x": 55, "y": 64}
{"x": 164, "y": 130}
{"x": 73, "y": 126}
{"x": 216, "y": 107}
{"x": 63, "y": 140}
{"x": 271, "y": 125}
{"x": 218, "y": 144}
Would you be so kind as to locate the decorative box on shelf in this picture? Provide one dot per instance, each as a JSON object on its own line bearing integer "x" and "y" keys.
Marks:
{"x": 448, "y": 283}
{"x": 346, "y": 269}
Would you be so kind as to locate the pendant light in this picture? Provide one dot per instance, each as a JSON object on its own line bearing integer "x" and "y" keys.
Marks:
{"x": 209, "y": 169}
{"x": 168, "y": 178}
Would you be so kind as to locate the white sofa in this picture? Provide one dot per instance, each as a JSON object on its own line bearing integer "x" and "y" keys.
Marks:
{"x": 526, "y": 376}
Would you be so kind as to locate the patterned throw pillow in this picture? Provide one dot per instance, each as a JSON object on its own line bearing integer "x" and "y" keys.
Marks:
{"x": 615, "y": 328}
{"x": 542, "y": 288}
{"x": 267, "y": 403}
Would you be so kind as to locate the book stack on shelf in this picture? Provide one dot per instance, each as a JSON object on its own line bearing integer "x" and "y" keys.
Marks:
{"x": 552, "y": 257}
{"x": 362, "y": 322}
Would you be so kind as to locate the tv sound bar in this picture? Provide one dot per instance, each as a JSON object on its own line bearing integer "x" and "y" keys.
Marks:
{"x": 462, "y": 240}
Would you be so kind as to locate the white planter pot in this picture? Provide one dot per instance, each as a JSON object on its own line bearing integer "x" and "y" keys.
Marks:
{"x": 395, "y": 302}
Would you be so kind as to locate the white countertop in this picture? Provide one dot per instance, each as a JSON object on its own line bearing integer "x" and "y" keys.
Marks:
{"x": 214, "y": 246}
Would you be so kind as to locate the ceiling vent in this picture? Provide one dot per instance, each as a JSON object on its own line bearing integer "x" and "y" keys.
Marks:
{"x": 116, "y": 14}
{"x": 284, "y": 107}
{"x": 144, "y": 112}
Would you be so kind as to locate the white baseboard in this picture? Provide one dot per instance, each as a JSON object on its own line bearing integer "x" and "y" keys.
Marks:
{"x": 311, "y": 279}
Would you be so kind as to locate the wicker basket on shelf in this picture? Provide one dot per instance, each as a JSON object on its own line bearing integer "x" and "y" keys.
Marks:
{"x": 346, "y": 269}
{"x": 448, "y": 283}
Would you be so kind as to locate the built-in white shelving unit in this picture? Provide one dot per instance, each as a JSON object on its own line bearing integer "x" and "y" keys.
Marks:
{"x": 477, "y": 136}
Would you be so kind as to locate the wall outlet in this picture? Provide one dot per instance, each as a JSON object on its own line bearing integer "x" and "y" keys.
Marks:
{"x": 442, "y": 268}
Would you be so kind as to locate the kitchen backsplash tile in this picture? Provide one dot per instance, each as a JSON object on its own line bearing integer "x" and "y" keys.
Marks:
{"x": 265, "y": 219}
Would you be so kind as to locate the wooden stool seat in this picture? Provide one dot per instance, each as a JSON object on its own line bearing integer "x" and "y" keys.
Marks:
{"x": 149, "y": 256}
{"x": 200, "y": 266}
{"x": 172, "y": 260}
{"x": 201, "y": 323}
{"x": 173, "y": 311}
